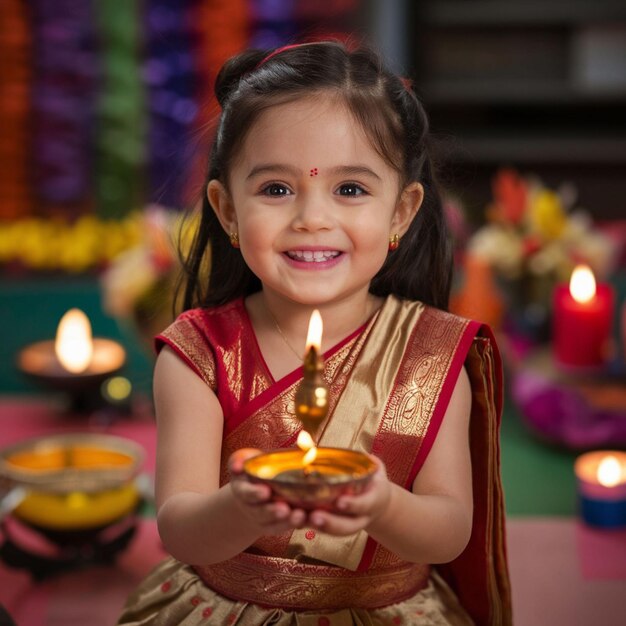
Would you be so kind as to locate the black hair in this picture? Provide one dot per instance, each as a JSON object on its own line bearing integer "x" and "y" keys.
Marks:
{"x": 391, "y": 116}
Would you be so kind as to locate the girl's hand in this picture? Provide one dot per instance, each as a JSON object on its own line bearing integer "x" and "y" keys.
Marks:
{"x": 354, "y": 513}
{"x": 255, "y": 500}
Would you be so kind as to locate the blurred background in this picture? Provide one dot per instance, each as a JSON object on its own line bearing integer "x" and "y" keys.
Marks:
{"x": 107, "y": 112}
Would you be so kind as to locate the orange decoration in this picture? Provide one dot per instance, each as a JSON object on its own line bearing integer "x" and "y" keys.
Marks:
{"x": 15, "y": 73}
{"x": 478, "y": 297}
{"x": 510, "y": 194}
{"x": 224, "y": 30}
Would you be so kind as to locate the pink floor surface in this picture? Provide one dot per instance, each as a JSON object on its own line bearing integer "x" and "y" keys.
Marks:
{"x": 562, "y": 573}
{"x": 552, "y": 585}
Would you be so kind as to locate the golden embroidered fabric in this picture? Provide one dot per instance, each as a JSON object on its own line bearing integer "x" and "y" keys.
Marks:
{"x": 175, "y": 595}
{"x": 306, "y": 586}
{"x": 385, "y": 386}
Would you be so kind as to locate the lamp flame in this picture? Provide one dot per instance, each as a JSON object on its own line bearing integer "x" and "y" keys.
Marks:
{"x": 582, "y": 284}
{"x": 314, "y": 336}
{"x": 609, "y": 472}
{"x": 73, "y": 344}
{"x": 305, "y": 442}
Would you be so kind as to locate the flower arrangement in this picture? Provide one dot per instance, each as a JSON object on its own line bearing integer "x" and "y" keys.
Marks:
{"x": 533, "y": 238}
{"x": 57, "y": 245}
{"x": 533, "y": 231}
{"x": 139, "y": 284}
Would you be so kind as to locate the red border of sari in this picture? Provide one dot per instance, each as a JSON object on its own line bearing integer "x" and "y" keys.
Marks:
{"x": 278, "y": 386}
{"x": 465, "y": 342}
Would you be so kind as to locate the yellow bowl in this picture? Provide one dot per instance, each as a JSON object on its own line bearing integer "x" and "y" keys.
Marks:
{"x": 76, "y": 481}
{"x": 334, "y": 472}
{"x": 77, "y": 510}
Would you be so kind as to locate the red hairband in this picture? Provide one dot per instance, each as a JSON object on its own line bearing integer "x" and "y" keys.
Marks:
{"x": 281, "y": 49}
{"x": 407, "y": 82}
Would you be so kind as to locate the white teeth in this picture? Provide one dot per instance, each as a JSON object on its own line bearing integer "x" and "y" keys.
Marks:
{"x": 310, "y": 256}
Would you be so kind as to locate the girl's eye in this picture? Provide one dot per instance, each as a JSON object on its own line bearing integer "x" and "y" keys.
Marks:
{"x": 276, "y": 190}
{"x": 351, "y": 190}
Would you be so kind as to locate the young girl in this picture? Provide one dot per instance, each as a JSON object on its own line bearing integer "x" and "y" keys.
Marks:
{"x": 320, "y": 195}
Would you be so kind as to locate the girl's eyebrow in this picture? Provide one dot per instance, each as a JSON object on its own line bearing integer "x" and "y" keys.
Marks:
{"x": 272, "y": 168}
{"x": 354, "y": 170}
{"x": 283, "y": 168}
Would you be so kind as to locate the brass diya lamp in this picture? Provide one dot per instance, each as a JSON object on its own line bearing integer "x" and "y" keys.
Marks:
{"x": 311, "y": 477}
{"x": 74, "y": 362}
{"x": 71, "y": 482}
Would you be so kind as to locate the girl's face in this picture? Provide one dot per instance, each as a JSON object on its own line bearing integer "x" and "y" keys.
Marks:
{"x": 313, "y": 203}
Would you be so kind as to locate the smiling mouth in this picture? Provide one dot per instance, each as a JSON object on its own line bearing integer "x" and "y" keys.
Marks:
{"x": 312, "y": 256}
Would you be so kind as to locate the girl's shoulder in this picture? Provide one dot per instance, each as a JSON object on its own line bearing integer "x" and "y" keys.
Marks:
{"x": 233, "y": 309}
{"x": 208, "y": 323}
{"x": 202, "y": 336}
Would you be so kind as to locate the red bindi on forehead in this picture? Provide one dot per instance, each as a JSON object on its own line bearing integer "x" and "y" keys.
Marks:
{"x": 313, "y": 172}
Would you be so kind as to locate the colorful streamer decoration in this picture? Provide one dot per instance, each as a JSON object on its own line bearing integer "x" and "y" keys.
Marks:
{"x": 121, "y": 123}
{"x": 223, "y": 29}
{"x": 15, "y": 75}
{"x": 274, "y": 23}
{"x": 64, "y": 83}
{"x": 108, "y": 106}
{"x": 170, "y": 75}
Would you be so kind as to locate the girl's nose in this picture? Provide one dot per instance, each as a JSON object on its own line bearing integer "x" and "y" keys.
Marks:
{"x": 312, "y": 212}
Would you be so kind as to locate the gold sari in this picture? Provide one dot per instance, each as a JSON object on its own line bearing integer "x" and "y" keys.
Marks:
{"x": 390, "y": 383}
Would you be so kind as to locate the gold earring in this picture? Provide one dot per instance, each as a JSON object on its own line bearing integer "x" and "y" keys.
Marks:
{"x": 234, "y": 239}
{"x": 394, "y": 242}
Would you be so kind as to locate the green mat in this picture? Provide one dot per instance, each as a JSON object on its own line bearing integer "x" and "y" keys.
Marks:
{"x": 538, "y": 477}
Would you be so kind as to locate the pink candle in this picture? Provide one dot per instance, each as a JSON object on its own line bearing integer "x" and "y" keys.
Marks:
{"x": 582, "y": 321}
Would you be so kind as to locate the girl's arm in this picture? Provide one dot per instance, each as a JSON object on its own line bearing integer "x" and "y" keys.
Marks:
{"x": 433, "y": 523}
{"x": 199, "y": 522}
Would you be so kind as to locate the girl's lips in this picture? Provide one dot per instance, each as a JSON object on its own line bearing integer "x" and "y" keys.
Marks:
{"x": 313, "y": 259}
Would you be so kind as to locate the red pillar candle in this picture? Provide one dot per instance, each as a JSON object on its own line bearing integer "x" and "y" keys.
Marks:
{"x": 582, "y": 321}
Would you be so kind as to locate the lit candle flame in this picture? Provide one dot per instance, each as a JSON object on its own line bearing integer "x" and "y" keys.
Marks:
{"x": 309, "y": 457}
{"x": 582, "y": 284}
{"x": 609, "y": 472}
{"x": 305, "y": 442}
{"x": 314, "y": 336}
{"x": 73, "y": 345}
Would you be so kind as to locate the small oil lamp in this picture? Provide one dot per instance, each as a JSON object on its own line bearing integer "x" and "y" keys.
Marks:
{"x": 601, "y": 483}
{"x": 308, "y": 476}
{"x": 74, "y": 362}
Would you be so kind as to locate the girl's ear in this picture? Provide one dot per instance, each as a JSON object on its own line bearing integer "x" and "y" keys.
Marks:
{"x": 407, "y": 207}
{"x": 220, "y": 201}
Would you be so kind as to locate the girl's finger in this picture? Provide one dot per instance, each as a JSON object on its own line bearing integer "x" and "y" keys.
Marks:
{"x": 372, "y": 501}
{"x": 237, "y": 458}
{"x": 251, "y": 493}
{"x": 298, "y": 518}
{"x": 356, "y": 505}
{"x": 280, "y": 514}
{"x": 339, "y": 525}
